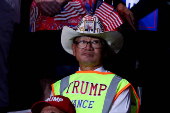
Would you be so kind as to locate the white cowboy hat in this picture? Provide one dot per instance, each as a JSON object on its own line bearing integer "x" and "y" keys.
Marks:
{"x": 113, "y": 38}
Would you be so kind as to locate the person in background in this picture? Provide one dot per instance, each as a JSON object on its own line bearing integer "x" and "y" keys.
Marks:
{"x": 151, "y": 21}
{"x": 54, "y": 104}
{"x": 9, "y": 19}
{"x": 153, "y": 24}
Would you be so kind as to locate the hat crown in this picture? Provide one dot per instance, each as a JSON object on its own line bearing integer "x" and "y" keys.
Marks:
{"x": 90, "y": 24}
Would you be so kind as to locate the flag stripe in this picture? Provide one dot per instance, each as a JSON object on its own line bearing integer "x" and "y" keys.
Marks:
{"x": 114, "y": 20}
{"x": 103, "y": 11}
{"x": 67, "y": 14}
{"x": 106, "y": 13}
{"x": 70, "y": 16}
{"x": 101, "y": 15}
{"x": 117, "y": 17}
{"x": 72, "y": 9}
{"x": 108, "y": 6}
{"x": 69, "y": 5}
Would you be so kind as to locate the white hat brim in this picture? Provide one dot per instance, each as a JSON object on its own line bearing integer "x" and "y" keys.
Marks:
{"x": 113, "y": 38}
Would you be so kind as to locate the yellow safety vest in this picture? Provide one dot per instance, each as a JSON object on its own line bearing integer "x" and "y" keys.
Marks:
{"x": 93, "y": 91}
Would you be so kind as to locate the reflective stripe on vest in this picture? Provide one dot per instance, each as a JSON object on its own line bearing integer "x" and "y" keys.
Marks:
{"x": 111, "y": 92}
{"x": 64, "y": 84}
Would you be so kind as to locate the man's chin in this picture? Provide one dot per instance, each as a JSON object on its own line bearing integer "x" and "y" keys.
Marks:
{"x": 87, "y": 61}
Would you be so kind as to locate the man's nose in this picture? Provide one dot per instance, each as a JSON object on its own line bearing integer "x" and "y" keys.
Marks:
{"x": 89, "y": 46}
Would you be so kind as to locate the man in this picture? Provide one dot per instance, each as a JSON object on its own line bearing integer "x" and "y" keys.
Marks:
{"x": 92, "y": 88}
{"x": 54, "y": 104}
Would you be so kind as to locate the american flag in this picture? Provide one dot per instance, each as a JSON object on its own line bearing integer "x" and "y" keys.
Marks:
{"x": 72, "y": 9}
{"x": 110, "y": 18}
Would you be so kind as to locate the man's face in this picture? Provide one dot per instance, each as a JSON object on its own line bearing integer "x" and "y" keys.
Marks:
{"x": 88, "y": 55}
{"x": 51, "y": 109}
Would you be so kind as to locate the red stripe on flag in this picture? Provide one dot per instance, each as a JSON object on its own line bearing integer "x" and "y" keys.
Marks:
{"x": 108, "y": 6}
{"x": 116, "y": 15}
{"x": 113, "y": 21}
{"x": 101, "y": 15}
{"x": 75, "y": 5}
{"x": 103, "y": 11}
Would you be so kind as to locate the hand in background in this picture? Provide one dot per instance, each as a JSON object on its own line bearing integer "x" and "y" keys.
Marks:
{"x": 50, "y": 7}
{"x": 126, "y": 14}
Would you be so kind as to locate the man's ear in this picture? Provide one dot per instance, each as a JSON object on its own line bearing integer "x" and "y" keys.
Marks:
{"x": 73, "y": 46}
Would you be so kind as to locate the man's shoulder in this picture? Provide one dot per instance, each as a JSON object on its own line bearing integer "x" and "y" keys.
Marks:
{"x": 123, "y": 84}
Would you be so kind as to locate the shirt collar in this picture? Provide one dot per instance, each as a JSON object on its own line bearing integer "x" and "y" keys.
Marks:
{"x": 100, "y": 69}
